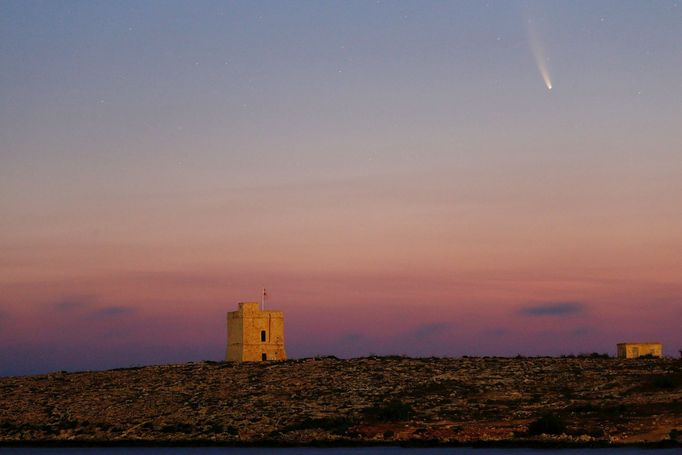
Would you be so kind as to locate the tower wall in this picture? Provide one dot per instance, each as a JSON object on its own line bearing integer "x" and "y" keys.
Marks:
{"x": 254, "y": 335}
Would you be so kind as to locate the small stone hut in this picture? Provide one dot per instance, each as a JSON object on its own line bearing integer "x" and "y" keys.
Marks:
{"x": 634, "y": 350}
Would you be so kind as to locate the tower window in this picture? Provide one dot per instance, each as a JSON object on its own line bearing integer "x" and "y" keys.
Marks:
{"x": 264, "y": 356}
{"x": 262, "y": 337}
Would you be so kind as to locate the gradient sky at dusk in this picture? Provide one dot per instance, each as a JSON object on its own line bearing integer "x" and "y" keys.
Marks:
{"x": 396, "y": 173}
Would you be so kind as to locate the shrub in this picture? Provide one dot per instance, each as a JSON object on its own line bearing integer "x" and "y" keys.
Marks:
{"x": 547, "y": 424}
{"x": 586, "y": 407}
{"x": 390, "y": 411}
{"x": 665, "y": 382}
{"x": 69, "y": 424}
{"x": 648, "y": 356}
{"x": 595, "y": 355}
{"x": 176, "y": 428}
{"x": 216, "y": 427}
{"x": 394, "y": 357}
{"x": 567, "y": 392}
{"x": 130, "y": 368}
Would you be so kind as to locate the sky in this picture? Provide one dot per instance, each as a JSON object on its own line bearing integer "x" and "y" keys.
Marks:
{"x": 399, "y": 175}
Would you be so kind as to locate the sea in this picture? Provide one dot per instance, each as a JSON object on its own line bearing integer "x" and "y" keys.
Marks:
{"x": 328, "y": 451}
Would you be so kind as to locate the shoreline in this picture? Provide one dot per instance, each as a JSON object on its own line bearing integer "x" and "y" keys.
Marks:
{"x": 509, "y": 444}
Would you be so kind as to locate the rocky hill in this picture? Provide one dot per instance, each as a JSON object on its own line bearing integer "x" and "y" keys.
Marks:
{"x": 358, "y": 401}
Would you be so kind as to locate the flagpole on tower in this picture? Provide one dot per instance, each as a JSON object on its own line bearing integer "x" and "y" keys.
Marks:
{"x": 262, "y": 300}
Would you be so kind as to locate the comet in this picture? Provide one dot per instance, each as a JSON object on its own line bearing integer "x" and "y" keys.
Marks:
{"x": 538, "y": 50}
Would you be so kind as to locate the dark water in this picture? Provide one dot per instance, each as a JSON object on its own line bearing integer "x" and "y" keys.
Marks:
{"x": 331, "y": 451}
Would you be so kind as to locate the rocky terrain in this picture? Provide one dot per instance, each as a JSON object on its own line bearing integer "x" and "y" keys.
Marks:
{"x": 387, "y": 400}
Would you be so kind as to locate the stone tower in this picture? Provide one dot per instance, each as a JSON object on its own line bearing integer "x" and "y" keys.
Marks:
{"x": 254, "y": 335}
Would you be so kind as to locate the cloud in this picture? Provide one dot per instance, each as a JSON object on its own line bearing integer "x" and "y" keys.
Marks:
{"x": 112, "y": 311}
{"x": 85, "y": 306}
{"x": 496, "y": 332}
{"x": 429, "y": 330}
{"x": 553, "y": 309}
{"x": 582, "y": 331}
{"x": 73, "y": 303}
